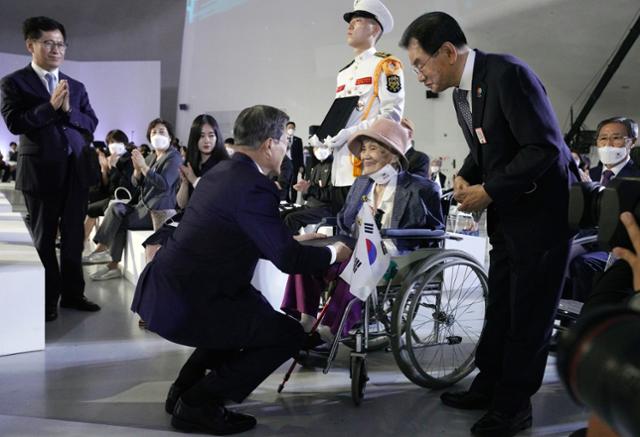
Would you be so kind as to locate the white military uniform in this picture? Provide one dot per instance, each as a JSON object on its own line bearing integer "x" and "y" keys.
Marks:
{"x": 356, "y": 79}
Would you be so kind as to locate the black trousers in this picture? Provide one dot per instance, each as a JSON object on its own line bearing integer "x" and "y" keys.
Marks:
{"x": 524, "y": 290}
{"x": 256, "y": 341}
{"x": 66, "y": 210}
{"x": 303, "y": 216}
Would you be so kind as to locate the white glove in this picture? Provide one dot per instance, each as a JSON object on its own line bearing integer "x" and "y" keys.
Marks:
{"x": 338, "y": 141}
{"x": 314, "y": 141}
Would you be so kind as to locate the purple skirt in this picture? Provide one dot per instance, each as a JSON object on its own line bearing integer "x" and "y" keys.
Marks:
{"x": 302, "y": 296}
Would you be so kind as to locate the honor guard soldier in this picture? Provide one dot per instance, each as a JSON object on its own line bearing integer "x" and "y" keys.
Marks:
{"x": 369, "y": 87}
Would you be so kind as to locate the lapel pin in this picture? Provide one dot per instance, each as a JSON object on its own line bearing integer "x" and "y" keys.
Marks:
{"x": 479, "y": 92}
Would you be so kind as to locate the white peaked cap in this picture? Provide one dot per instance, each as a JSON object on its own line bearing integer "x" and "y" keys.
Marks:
{"x": 372, "y": 9}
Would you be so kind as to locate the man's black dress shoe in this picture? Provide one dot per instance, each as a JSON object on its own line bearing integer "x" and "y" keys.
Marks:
{"x": 50, "y": 315}
{"x": 81, "y": 304}
{"x": 212, "y": 418}
{"x": 500, "y": 424}
{"x": 466, "y": 400}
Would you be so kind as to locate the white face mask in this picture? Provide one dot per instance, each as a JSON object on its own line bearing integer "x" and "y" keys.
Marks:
{"x": 290, "y": 132}
{"x": 384, "y": 175}
{"x": 117, "y": 149}
{"x": 612, "y": 155}
{"x": 229, "y": 150}
{"x": 321, "y": 153}
{"x": 435, "y": 169}
{"x": 160, "y": 142}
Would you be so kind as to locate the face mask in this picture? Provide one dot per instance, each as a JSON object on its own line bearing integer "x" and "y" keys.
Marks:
{"x": 384, "y": 175}
{"x": 229, "y": 150}
{"x": 321, "y": 153}
{"x": 117, "y": 149}
{"x": 435, "y": 169}
{"x": 160, "y": 142}
{"x": 290, "y": 132}
{"x": 612, "y": 155}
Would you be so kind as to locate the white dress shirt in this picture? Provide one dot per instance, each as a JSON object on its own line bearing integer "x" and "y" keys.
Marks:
{"x": 41, "y": 72}
{"x": 466, "y": 81}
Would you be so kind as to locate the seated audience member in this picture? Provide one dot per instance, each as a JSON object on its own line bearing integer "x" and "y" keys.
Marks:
{"x": 5, "y": 171}
{"x": 418, "y": 161}
{"x": 316, "y": 192}
{"x": 115, "y": 171}
{"x": 614, "y": 137}
{"x": 228, "y": 145}
{"x": 157, "y": 183}
{"x": 404, "y": 200}
{"x": 204, "y": 150}
{"x": 11, "y": 163}
{"x": 197, "y": 290}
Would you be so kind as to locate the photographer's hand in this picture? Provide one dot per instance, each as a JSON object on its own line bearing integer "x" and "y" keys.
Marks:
{"x": 629, "y": 256}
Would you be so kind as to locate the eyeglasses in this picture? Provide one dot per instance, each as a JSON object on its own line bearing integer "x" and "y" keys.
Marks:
{"x": 417, "y": 69}
{"x": 616, "y": 139}
{"x": 49, "y": 45}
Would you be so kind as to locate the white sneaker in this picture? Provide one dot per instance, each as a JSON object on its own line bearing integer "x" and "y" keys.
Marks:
{"x": 97, "y": 258}
{"x": 106, "y": 273}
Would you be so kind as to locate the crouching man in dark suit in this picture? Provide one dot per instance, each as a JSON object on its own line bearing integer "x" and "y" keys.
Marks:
{"x": 51, "y": 113}
{"x": 197, "y": 290}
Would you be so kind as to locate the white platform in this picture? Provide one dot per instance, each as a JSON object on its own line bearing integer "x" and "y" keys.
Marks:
{"x": 22, "y": 297}
{"x": 11, "y": 216}
{"x": 14, "y": 231}
{"x": 5, "y": 206}
{"x": 134, "y": 259}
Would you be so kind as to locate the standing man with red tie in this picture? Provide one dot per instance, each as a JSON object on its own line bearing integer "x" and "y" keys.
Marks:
{"x": 520, "y": 170}
{"x": 51, "y": 113}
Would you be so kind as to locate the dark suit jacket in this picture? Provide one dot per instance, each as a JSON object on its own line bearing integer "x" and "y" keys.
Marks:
{"x": 159, "y": 187}
{"x": 46, "y": 134}
{"x": 200, "y": 278}
{"x": 416, "y": 204}
{"x": 628, "y": 171}
{"x": 525, "y": 165}
{"x": 297, "y": 155}
{"x": 418, "y": 162}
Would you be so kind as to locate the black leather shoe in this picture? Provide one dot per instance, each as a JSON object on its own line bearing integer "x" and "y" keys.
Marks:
{"x": 500, "y": 424}
{"x": 210, "y": 418}
{"x": 50, "y": 315}
{"x": 172, "y": 398}
{"x": 466, "y": 400}
{"x": 82, "y": 304}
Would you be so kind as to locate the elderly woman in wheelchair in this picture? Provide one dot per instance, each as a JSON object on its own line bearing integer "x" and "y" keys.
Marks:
{"x": 397, "y": 200}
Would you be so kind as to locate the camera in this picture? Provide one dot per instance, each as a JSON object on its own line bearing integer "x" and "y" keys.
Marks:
{"x": 599, "y": 363}
{"x": 592, "y": 205}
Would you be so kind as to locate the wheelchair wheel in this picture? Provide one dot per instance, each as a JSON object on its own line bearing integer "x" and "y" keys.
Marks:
{"x": 359, "y": 378}
{"x": 437, "y": 319}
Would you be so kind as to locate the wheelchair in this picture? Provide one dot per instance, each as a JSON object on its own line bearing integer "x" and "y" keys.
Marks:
{"x": 428, "y": 309}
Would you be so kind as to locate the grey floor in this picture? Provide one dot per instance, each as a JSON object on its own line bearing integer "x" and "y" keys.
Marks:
{"x": 102, "y": 375}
